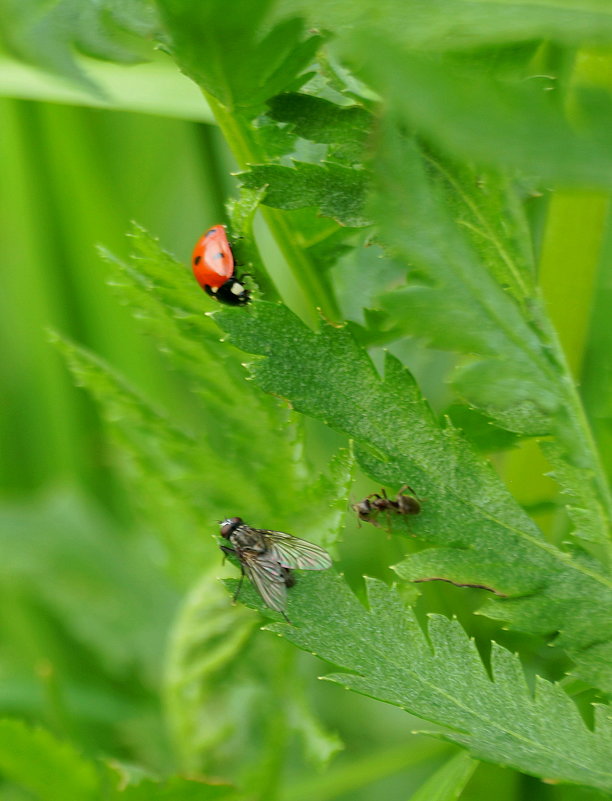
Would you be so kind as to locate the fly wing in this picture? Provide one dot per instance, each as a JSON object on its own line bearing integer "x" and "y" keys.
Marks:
{"x": 293, "y": 552}
{"x": 269, "y": 579}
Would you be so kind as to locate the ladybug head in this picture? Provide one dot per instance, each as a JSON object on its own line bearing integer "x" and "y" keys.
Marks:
{"x": 232, "y": 292}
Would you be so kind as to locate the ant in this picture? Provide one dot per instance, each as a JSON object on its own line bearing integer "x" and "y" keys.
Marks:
{"x": 371, "y": 507}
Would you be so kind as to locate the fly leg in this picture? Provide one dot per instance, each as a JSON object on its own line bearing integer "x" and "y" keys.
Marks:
{"x": 227, "y": 551}
{"x": 239, "y": 587}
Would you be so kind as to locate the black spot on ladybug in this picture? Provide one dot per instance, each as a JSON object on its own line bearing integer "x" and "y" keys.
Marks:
{"x": 197, "y": 260}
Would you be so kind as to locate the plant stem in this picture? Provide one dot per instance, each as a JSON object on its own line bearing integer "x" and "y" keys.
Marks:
{"x": 569, "y": 262}
{"x": 568, "y": 266}
{"x": 355, "y": 775}
{"x": 247, "y": 151}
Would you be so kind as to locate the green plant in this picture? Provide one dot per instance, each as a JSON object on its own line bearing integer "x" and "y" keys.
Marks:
{"x": 401, "y": 156}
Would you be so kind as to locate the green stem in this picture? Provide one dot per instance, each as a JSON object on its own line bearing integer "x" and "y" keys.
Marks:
{"x": 247, "y": 151}
{"x": 569, "y": 261}
{"x": 308, "y": 276}
{"x": 571, "y": 253}
{"x": 570, "y": 256}
{"x": 355, "y": 775}
{"x": 585, "y": 450}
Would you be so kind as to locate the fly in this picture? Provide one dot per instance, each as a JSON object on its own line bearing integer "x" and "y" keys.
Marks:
{"x": 268, "y": 559}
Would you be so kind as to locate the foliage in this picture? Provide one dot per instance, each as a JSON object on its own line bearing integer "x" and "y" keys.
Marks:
{"x": 44, "y": 34}
{"x": 497, "y": 544}
{"x": 438, "y": 674}
{"x": 52, "y": 770}
{"x": 414, "y": 165}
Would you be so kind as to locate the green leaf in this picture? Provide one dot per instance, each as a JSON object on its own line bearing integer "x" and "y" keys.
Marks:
{"x": 320, "y": 120}
{"x": 514, "y": 370}
{"x": 461, "y": 24}
{"x": 438, "y": 675}
{"x": 165, "y": 460}
{"x": 336, "y": 191}
{"x": 448, "y": 782}
{"x": 168, "y": 303}
{"x": 524, "y": 128}
{"x": 221, "y": 685}
{"x": 176, "y": 789}
{"x": 52, "y": 770}
{"x": 320, "y": 745}
{"x": 49, "y": 769}
{"x": 45, "y": 34}
{"x": 170, "y": 456}
{"x": 241, "y": 62}
{"x": 479, "y": 430}
{"x": 246, "y": 254}
{"x": 230, "y": 56}
{"x": 590, "y": 522}
{"x": 154, "y": 87}
{"x": 207, "y": 639}
{"x": 64, "y": 552}
{"x": 469, "y": 516}
{"x": 458, "y": 304}
{"x": 325, "y": 501}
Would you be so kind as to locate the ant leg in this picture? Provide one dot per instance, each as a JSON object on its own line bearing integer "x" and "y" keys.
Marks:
{"x": 374, "y": 511}
{"x": 354, "y": 507}
{"x": 408, "y": 504}
{"x": 388, "y": 516}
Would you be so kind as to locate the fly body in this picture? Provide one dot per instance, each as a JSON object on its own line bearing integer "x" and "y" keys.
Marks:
{"x": 269, "y": 558}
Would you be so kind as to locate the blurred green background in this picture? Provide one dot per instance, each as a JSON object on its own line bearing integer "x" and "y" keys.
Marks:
{"x": 91, "y": 607}
{"x": 88, "y": 600}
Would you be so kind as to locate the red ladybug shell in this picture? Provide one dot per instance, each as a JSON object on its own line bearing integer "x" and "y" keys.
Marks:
{"x": 212, "y": 260}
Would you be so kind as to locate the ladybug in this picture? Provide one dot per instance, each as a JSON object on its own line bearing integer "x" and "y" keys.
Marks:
{"x": 213, "y": 267}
